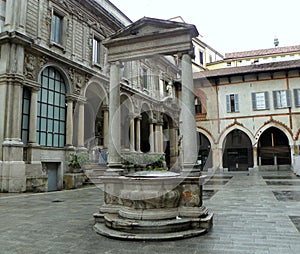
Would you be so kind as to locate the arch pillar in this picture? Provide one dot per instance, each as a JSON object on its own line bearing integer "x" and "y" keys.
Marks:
{"x": 114, "y": 147}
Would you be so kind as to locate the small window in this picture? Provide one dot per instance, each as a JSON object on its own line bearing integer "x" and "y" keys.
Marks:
{"x": 282, "y": 99}
{"x": 201, "y": 58}
{"x": 228, "y": 64}
{"x": 198, "y": 106}
{"x": 25, "y": 114}
{"x": 297, "y": 97}
{"x": 232, "y": 103}
{"x": 260, "y": 101}
{"x": 57, "y": 28}
{"x": 145, "y": 78}
{"x": 96, "y": 51}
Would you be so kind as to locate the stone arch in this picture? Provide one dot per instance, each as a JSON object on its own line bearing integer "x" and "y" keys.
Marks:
{"x": 274, "y": 148}
{"x": 94, "y": 109}
{"x": 63, "y": 73}
{"x": 127, "y": 112}
{"x": 205, "y": 146}
{"x": 224, "y": 134}
{"x": 277, "y": 125}
{"x": 237, "y": 150}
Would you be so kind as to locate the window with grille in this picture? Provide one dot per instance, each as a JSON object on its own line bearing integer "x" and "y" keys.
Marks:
{"x": 57, "y": 28}
{"x": 25, "y": 115}
{"x": 51, "y": 111}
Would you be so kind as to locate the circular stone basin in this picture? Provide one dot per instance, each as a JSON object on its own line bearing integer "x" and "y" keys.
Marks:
{"x": 153, "y": 174}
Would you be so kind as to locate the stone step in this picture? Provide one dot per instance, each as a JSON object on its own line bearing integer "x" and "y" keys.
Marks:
{"x": 108, "y": 232}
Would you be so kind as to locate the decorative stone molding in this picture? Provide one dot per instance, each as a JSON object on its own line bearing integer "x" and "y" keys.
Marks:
{"x": 32, "y": 66}
{"x": 79, "y": 80}
{"x": 276, "y": 122}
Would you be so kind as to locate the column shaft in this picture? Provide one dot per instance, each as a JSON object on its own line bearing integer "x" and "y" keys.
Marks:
{"x": 80, "y": 141}
{"x": 114, "y": 136}
{"x": 188, "y": 115}
{"x": 138, "y": 135}
{"x": 151, "y": 137}
{"x": 105, "y": 128}
{"x": 132, "y": 134}
{"x": 69, "y": 137}
{"x": 33, "y": 116}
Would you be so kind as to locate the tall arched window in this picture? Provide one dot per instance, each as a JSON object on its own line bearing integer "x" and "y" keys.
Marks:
{"x": 51, "y": 115}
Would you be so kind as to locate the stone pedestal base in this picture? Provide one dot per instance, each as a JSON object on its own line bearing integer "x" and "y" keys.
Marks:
{"x": 145, "y": 207}
{"x": 177, "y": 228}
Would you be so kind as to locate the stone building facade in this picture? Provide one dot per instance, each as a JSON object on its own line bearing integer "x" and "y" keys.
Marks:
{"x": 54, "y": 91}
{"x": 249, "y": 116}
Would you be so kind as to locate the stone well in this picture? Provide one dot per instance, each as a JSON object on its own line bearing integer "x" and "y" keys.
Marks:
{"x": 152, "y": 205}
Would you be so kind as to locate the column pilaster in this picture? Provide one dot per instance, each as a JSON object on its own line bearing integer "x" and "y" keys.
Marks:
{"x": 151, "y": 137}
{"x": 132, "y": 133}
{"x": 114, "y": 148}
{"x": 188, "y": 117}
{"x": 105, "y": 126}
{"x": 33, "y": 117}
{"x": 138, "y": 135}
{"x": 69, "y": 137}
{"x": 80, "y": 137}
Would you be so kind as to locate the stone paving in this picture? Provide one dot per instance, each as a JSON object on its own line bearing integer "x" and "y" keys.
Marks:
{"x": 251, "y": 216}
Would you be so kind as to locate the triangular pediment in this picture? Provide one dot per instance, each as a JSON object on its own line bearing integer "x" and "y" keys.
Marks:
{"x": 148, "y": 37}
{"x": 150, "y": 26}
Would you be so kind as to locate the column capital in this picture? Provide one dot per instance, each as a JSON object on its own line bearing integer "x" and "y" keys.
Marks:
{"x": 105, "y": 108}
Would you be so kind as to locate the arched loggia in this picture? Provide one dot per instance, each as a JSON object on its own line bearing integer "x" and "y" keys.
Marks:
{"x": 273, "y": 148}
{"x": 238, "y": 151}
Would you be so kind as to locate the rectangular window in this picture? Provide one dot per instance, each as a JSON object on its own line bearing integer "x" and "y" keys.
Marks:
{"x": 282, "y": 99}
{"x": 198, "y": 106}
{"x": 260, "y": 101}
{"x": 201, "y": 58}
{"x": 56, "y": 28}
{"x": 297, "y": 97}
{"x": 232, "y": 103}
{"x": 145, "y": 79}
{"x": 96, "y": 51}
{"x": 25, "y": 115}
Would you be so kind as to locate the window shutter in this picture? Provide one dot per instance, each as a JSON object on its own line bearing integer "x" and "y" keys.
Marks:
{"x": 254, "y": 101}
{"x": 275, "y": 99}
{"x": 267, "y": 100}
{"x": 236, "y": 103}
{"x": 296, "y": 95}
{"x": 288, "y": 98}
{"x": 228, "y": 104}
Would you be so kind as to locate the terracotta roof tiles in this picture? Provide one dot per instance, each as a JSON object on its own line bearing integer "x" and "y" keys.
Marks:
{"x": 262, "y": 52}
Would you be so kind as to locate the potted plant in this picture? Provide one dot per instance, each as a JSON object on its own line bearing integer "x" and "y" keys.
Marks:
{"x": 77, "y": 161}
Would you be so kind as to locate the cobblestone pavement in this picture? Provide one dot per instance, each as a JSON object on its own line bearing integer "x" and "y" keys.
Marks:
{"x": 253, "y": 214}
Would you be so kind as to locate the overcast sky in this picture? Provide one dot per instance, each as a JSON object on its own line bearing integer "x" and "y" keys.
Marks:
{"x": 227, "y": 25}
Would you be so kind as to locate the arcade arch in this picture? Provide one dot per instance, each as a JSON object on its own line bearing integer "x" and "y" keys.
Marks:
{"x": 238, "y": 151}
{"x": 274, "y": 148}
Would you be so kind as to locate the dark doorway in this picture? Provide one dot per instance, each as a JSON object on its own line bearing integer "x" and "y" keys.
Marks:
{"x": 273, "y": 148}
{"x": 204, "y": 154}
{"x": 238, "y": 152}
{"x": 145, "y": 132}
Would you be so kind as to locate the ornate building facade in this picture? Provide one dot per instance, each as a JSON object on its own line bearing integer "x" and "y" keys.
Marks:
{"x": 54, "y": 91}
{"x": 248, "y": 116}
